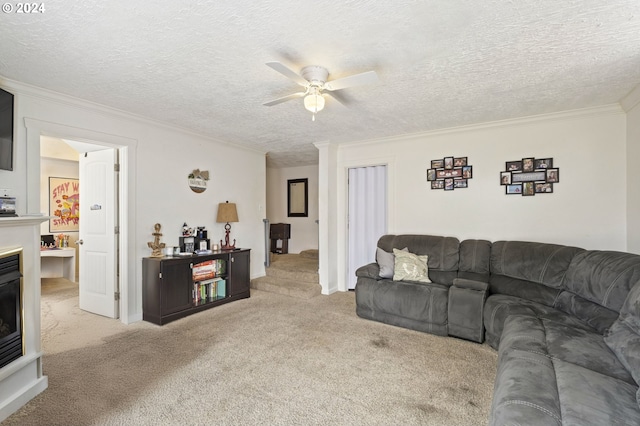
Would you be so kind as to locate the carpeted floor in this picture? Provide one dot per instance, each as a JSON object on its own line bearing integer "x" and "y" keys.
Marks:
{"x": 270, "y": 360}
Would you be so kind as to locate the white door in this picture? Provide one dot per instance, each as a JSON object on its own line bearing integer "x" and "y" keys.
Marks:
{"x": 98, "y": 221}
{"x": 367, "y": 216}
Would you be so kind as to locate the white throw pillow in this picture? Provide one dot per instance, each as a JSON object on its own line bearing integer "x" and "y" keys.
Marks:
{"x": 410, "y": 267}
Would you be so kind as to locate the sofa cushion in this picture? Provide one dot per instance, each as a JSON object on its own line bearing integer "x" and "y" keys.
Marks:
{"x": 528, "y": 290}
{"x": 475, "y": 258}
{"x": 410, "y": 267}
{"x": 443, "y": 253}
{"x": 499, "y": 307}
{"x": 603, "y": 277}
{"x": 594, "y": 315}
{"x": 623, "y": 337}
{"x": 417, "y": 306}
{"x": 536, "y": 262}
{"x": 583, "y": 347}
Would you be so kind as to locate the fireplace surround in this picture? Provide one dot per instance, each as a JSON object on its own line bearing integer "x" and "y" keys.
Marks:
{"x": 21, "y": 378}
{"x": 11, "y": 347}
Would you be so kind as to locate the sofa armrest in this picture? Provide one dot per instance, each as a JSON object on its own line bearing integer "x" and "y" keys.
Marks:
{"x": 371, "y": 270}
{"x": 470, "y": 284}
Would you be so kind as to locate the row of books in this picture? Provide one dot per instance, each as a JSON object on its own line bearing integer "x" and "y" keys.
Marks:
{"x": 209, "y": 290}
{"x": 209, "y": 269}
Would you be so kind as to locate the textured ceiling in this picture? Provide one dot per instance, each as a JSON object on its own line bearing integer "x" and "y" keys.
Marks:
{"x": 200, "y": 65}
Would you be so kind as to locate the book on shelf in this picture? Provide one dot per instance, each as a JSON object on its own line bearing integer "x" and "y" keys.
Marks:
{"x": 209, "y": 269}
{"x": 209, "y": 290}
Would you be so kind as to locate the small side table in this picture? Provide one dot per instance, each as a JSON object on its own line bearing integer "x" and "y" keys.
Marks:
{"x": 280, "y": 231}
{"x": 466, "y": 308}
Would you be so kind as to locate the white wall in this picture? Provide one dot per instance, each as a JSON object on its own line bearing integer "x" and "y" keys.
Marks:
{"x": 587, "y": 208}
{"x": 632, "y": 102}
{"x": 304, "y": 230}
{"x": 161, "y": 157}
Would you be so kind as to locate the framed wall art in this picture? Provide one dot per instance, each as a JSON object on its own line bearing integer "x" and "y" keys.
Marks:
{"x": 64, "y": 204}
{"x": 450, "y": 173}
{"x": 529, "y": 176}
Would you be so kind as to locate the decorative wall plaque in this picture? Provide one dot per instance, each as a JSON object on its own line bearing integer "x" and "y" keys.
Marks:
{"x": 198, "y": 180}
{"x": 530, "y": 176}
{"x": 450, "y": 173}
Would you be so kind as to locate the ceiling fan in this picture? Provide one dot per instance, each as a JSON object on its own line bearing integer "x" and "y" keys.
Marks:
{"x": 314, "y": 79}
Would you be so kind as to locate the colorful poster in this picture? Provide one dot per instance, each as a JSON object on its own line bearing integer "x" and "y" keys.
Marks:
{"x": 64, "y": 204}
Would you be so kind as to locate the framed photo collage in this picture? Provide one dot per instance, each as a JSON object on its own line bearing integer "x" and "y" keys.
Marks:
{"x": 529, "y": 176}
{"x": 449, "y": 173}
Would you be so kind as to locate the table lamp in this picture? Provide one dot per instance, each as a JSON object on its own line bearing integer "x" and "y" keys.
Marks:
{"x": 227, "y": 213}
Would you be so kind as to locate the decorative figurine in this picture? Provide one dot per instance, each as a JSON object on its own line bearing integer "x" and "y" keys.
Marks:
{"x": 156, "y": 245}
{"x": 186, "y": 231}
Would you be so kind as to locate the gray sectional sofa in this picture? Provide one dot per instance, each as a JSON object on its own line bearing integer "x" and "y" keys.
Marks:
{"x": 565, "y": 321}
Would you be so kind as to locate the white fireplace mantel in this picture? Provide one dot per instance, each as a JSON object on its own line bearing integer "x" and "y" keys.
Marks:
{"x": 22, "y": 379}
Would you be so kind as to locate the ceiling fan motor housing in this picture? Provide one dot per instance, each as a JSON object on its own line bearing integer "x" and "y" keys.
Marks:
{"x": 315, "y": 75}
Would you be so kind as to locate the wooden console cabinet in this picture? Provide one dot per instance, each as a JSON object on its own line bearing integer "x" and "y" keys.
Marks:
{"x": 170, "y": 292}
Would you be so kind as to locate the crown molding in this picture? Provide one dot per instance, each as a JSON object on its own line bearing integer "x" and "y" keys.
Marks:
{"x": 631, "y": 100}
{"x": 555, "y": 116}
{"x": 25, "y": 89}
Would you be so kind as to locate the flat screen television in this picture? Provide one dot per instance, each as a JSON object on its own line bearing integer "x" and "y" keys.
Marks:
{"x": 6, "y": 130}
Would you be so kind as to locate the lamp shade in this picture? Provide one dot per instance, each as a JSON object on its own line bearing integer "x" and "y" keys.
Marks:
{"x": 227, "y": 213}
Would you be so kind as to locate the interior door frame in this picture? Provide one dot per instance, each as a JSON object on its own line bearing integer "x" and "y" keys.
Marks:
{"x": 126, "y": 198}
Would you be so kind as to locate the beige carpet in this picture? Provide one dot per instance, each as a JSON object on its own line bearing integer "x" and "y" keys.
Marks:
{"x": 268, "y": 360}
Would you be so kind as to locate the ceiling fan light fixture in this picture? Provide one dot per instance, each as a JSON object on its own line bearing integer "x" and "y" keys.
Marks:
{"x": 314, "y": 102}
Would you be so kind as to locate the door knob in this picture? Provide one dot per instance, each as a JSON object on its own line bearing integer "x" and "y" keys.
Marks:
{"x": 81, "y": 242}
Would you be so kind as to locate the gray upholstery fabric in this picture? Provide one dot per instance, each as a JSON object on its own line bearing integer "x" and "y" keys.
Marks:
{"x": 603, "y": 277}
{"x": 536, "y": 262}
{"x": 535, "y": 384}
{"x": 499, "y": 307}
{"x": 474, "y": 260}
{"x": 590, "y": 313}
{"x": 624, "y": 336}
{"x": 371, "y": 270}
{"x": 417, "y": 306}
{"x": 471, "y": 284}
{"x": 466, "y": 309}
{"x": 528, "y": 290}
{"x": 443, "y": 253}
{"x": 525, "y": 392}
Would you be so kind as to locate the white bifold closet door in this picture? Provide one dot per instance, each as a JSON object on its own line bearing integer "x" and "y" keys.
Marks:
{"x": 367, "y": 216}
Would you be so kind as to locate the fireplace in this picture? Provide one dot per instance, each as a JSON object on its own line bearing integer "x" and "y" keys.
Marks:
{"x": 11, "y": 344}
{"x": 21, "y": 375}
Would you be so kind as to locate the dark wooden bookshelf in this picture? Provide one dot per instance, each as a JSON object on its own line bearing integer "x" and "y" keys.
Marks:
{"x": 168, "y": 284}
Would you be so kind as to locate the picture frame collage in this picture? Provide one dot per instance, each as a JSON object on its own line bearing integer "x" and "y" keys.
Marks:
{"x": 450, "y": 173}
{"x": 529, "y": 176}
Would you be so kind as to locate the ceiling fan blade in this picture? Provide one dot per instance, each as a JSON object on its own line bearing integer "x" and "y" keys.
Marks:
{"x": 369, "y": 77}
{"x": 284, "y": 99}
{"x": 338, "y": 98}
{"x": 288, "y": 72}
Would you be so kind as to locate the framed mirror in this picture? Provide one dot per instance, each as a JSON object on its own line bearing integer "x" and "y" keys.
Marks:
{"x": 297, "y": 197}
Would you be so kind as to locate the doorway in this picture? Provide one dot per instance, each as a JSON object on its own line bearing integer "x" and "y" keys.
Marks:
{"x": 96, "y": 238}
{"x": 367, "y": 216}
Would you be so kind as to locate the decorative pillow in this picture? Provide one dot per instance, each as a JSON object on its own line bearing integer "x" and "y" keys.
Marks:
{"x": 410, "y": 267}
{"x": 386, "y": 262}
